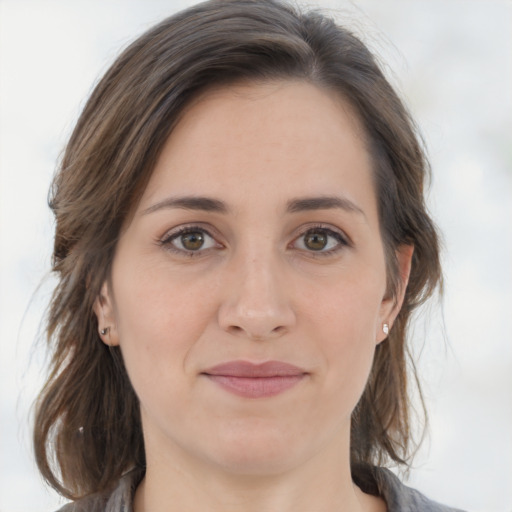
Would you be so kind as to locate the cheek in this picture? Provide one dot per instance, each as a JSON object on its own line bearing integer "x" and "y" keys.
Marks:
{"x": 159, "y": 320}
{"x": 347, "y": 308}
{"x": 344, "y": 322}
{"x": 153, "y": 297}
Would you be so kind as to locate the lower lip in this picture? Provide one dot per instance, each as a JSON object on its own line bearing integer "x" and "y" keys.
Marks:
{"x": 256, "y": 387}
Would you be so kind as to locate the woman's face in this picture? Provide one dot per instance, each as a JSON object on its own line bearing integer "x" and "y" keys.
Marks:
{"x": 248, "y": 292}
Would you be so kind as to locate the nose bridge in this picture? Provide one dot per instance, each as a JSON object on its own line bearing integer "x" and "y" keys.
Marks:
{"x": 259, "y": 289}
{"x": 256, "y": 302}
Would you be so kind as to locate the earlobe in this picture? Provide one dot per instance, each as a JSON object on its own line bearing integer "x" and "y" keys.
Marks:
{"x": 391, "y": 306}
{"x": 104, "y": 311}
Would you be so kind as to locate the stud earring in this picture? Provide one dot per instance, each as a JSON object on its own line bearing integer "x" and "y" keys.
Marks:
{"x": 105, "y": 331}
{"x": 385, "y": 329}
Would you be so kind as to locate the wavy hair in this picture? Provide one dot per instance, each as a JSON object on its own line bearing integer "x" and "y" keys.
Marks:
{"x": 87, "y": 430}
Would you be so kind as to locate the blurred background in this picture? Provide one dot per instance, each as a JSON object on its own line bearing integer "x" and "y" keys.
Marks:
{"x": 452, "y": 62}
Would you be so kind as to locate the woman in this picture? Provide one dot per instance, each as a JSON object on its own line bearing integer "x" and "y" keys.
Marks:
{"x": 241, "y": 238}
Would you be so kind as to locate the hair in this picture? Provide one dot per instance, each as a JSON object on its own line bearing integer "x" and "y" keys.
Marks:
{"x": 88, "y": 429}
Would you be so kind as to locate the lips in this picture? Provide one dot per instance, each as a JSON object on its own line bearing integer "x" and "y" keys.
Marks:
{"x": 251, "y": 380}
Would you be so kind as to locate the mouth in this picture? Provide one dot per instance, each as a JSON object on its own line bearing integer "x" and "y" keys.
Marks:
{"x": 251, "y": 380}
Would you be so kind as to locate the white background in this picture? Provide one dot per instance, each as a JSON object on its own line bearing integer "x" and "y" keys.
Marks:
{"x": 451, "y": 60}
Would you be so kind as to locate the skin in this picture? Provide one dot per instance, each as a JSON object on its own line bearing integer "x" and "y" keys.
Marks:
{"x": 254, "y": 291}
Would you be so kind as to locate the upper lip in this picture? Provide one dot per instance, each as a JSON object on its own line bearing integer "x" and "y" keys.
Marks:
{"x": 255, "y": 370}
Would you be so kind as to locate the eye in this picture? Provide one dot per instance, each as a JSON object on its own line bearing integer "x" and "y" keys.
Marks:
{"x": 320, "y": 240}
{"x": 189, "y": 240}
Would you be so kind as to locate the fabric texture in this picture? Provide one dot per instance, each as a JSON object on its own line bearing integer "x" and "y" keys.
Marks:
{"x": 376, "y": 481}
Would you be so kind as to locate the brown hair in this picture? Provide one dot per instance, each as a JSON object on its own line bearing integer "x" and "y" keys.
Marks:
{"x": 87, "y": 424}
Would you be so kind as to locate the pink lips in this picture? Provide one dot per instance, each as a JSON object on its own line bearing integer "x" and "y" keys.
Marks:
{"x": 255, "y": 380}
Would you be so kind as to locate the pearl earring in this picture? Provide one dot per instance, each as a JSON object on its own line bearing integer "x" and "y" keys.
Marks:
{"x": 385, "y": 329}
{"x": 104, "y": 331}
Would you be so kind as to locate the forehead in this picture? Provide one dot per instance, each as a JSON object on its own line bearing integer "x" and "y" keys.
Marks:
{"x": 277, "y": 139}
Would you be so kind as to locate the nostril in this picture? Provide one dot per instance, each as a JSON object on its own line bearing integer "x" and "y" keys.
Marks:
{"x": 266, "y": 319}
{"x": 256, "y": 334}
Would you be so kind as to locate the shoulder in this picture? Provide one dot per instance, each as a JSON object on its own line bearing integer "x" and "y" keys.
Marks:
{"x": 398, "y": 497}
{"x": 118, "y": 499}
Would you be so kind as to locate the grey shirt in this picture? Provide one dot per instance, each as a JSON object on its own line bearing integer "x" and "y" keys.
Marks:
{"x": 376, "y": 481}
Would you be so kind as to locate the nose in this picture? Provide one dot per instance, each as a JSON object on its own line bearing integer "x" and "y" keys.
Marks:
{"x": 257, "y": 303}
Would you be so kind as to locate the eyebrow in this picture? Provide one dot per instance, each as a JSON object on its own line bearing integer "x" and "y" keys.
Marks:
{"x": 323, "y": 203}
{"x": 205, "y": 204}
{"x": 208, "y": 204}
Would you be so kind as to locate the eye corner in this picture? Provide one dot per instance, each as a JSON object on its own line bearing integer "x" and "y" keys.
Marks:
{"x": 189, "y": 241}
{"x": 324, "y": 240}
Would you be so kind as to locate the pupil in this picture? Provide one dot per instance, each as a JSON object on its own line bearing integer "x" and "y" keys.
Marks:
{"x": 192, "y": 241}
{"x": 316, "y": 241}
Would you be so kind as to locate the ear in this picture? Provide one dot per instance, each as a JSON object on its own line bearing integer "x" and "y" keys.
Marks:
{"x": 391, "y": 306}
{"x": 104, "y": 310}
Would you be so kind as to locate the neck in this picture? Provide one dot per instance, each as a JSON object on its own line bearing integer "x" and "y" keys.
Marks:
{"x": 323, "y": 484}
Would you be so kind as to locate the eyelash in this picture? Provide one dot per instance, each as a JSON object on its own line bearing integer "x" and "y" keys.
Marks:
{"x": 342, "y": 240}
{"x": 167, "y": 242}
{"x": 169, "y": 238}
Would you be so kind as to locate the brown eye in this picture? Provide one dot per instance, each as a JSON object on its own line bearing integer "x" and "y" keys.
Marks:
{"x": 315, "y": 241}
{"x": 192, "y": 241}
{"x": 323, "y": 241}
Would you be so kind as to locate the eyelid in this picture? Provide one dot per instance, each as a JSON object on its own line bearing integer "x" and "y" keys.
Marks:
{"x": 174, "y": 233}
{"x": 332, "y": 231}
{"x": 342, "y": 238}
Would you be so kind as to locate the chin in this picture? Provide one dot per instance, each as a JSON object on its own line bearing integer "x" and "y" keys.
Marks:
{"x": 257, "y": 451}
